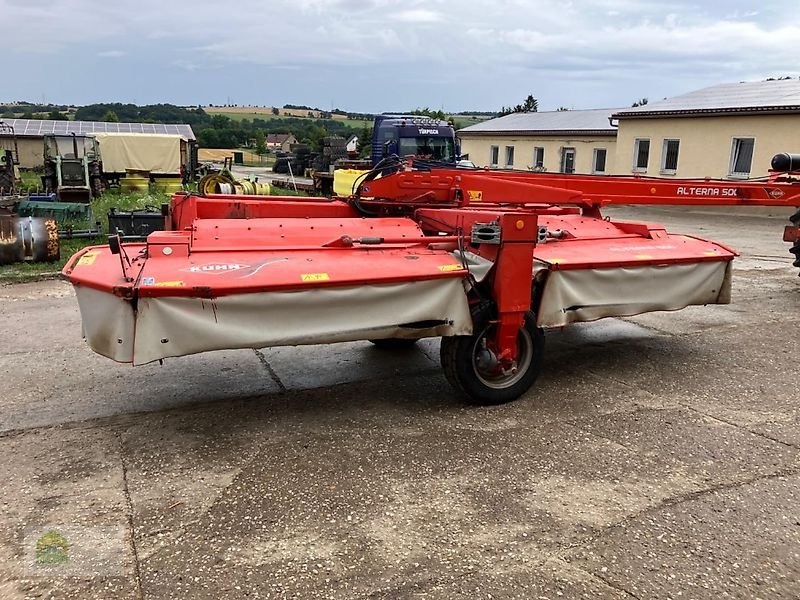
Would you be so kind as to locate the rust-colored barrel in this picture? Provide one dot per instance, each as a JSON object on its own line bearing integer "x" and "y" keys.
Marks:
{"x": 28, "y": 239}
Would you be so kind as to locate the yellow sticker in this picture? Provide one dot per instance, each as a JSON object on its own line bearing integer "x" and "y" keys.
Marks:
{"x": 88, "y": 258}
{"x": 643, "y": 257}
{"x": 450, "y": 267}
{"x": 169, "y": 284}
{"x": 314, "y": 277}
{"x": 474, "y": 195}
{"x": 710, "y": 252}
{"x": 555, "y": 261}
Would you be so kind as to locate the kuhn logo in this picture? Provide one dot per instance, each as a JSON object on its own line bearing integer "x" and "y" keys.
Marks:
{"x": 428, "y": 131}
{"x": 776, "y": 193}
{"x": 216, "y": 268}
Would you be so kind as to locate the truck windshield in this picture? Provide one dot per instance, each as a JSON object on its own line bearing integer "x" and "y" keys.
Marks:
{"x": 437, "y": 148}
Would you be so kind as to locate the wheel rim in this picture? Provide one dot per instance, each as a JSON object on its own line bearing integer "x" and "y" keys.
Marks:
{"x": 494, "y": 377}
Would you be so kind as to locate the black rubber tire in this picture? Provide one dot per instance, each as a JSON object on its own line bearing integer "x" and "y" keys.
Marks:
{"x": 394, "y": 343}
{"x": 457, "y": 356}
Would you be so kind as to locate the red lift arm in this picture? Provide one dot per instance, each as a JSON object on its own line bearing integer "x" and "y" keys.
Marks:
{"x": 468, "y": 188}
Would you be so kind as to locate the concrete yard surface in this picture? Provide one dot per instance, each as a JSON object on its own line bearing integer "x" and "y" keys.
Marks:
{"x": 657, "y": 457}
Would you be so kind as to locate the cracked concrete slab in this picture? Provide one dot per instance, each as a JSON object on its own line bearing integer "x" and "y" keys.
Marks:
{"x": 56, "y": 385}
{"x": 69, "y": 482}
{"x": 304, "y": 367}
{"x": 736, "y": 542}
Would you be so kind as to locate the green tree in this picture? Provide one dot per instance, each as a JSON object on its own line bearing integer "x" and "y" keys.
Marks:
{"x": 365, "y": 142}
{"x": 276, "y": 111}
{"x": 530, "y": 104}
{"x": 57, "y": 115}
{"x": 639, "y": 102}
{"x": 261, "y": 142}
{"x": 111, "y": 117}
{"x": 208, "y": 138}
{"x": 427, "y": 112}
{"x": 220, "y": 122}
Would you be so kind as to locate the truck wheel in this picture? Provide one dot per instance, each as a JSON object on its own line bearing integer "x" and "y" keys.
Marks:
{"x": 472, "y": 369}
{"x": 394, "y": 343}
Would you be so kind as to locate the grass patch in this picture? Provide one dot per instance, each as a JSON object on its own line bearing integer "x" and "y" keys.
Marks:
{"x": 30, "y": 180}
{"x": 125, "y": 201}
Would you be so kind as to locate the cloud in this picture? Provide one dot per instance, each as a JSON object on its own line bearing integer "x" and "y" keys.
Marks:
{"x": 186, "y": 65}
{"x": 376, "y": 54}
{"x": 418, "y": 15}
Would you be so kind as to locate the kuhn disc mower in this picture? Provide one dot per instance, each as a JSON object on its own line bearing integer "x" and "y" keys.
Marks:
{"x": 486, "y": 260}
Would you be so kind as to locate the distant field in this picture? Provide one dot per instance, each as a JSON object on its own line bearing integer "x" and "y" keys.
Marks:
{"x": 219, "y": 155}
{"x": 251, "y": 159}
{"x": 467, "y": 120}
{"x": 239, "y": 116}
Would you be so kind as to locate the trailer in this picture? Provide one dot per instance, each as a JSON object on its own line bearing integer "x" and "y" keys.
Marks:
{"x": 160, "y": 155}
{"x": 486, "y": 261}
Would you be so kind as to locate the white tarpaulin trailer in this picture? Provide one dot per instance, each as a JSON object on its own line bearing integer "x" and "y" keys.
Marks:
{"x": 157, "y": 153}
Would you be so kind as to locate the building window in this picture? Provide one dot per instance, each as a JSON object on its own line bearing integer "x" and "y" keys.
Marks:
{"x": 509, "y": 156}
{"x": 599, "y": 161}
{"x": 538, "y": 158}
{"x": 568, "y": 160}
{"x": 641, "y": 155}
{"x": 742, "y": 156}
{"x": 669, "y": 157}
{"x": 494, "y": 155}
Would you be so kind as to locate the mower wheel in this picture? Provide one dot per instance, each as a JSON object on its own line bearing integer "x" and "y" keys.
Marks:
{"x": 394, "y": 343}
{"x": 472, "y": 369}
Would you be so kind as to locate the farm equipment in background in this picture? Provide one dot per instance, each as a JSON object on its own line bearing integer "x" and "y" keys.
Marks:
{"x": 486, "y": 260}
{"x": 23, "y": 238}
{"x": 223, "y": 182}
{"x": 28, "y": 239}
{"x": 295, "y": 162}
{"x": 73, "y": 219}
{"x": 168, "y": 160}
{"x": 786, "y": 169}
{"x": 66, "y": 201}
{"x": 392, "y": 135}
{"x": 415, "y": 136}
{"x": 136, "y": 225}
{"x": 72, "y": 167}
{"x": 9, "y": 160}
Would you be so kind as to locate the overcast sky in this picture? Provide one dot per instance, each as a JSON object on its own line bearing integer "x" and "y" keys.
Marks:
{"x": 377, "y": 55}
